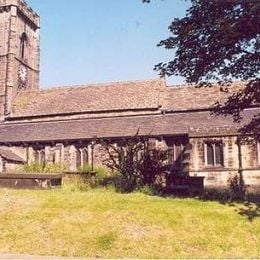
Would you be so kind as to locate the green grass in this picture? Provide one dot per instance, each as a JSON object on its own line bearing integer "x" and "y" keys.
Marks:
{"x": 102, "y": 223}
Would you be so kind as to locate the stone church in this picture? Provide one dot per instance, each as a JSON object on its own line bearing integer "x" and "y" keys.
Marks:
{"x": 60, "y": 125}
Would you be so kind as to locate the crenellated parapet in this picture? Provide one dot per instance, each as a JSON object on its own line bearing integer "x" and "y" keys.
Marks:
{"x": 23, "y": 10}
{"x": 19, "y": 51}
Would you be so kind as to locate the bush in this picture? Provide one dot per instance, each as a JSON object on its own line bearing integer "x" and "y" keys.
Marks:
{"x": 222, "y": 195}
{"x": 124, "y": 185}
{"x": 42, "y": 168}
{"x": 32, "y": 168}
{"x": 236, "y": 186}
{"x": 86, "y": 168}
{"x": 87, "y": 179}
{"x": 149, "y": 190}
{"x": 235, "y": 190}
{"x": 54, "y": 168}
{"x": 77, "y": 183}
{"x": 99, "y": 172}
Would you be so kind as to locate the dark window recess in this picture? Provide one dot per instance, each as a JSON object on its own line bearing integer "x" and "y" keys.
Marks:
{"x": 39, "y": 156}
{"x": 210, "y": 154}
{"x": 178, "y": 155}
{"x": 36, "y": 157}
{"x": 78, "y": 159}
{"x": 171, "y": 155}
{"x": 175, "y": 155}
{"x": 53, "y": 157}
{"x": 219, "y": 154}
{"x": 84, "y": 156}
{"x": 42, "y": 156}
{"x": 23, "y": 42}
{"x": 214, "y": 154}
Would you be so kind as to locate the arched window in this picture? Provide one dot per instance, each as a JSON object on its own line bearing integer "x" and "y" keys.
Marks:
{"x": 23, "y": 42}
{"x": 84, "y": 156}
{"x": 210, "y": 154}
{"x": 42, "y": 156}
{"x": 78, "y": 158}
{"x": 81, "y": 157}
{"x": 39, "y": 156}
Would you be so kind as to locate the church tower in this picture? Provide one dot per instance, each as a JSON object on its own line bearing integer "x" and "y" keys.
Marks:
{"x": 19, "y": 51}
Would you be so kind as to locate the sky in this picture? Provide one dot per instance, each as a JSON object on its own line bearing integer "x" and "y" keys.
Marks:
{"x": 96, "y": 41}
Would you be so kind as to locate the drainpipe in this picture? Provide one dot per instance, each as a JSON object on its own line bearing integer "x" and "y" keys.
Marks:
{"x": 240, "y": 165}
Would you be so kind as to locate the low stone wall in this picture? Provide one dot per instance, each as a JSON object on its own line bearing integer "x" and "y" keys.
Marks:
{"x": 219, "y": 178}
{"x": 30, "y": 181}
{"x": 188, "y": 184}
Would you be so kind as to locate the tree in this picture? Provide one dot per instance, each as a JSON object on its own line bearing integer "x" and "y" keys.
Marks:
{"x": 219, "y": 41}
{"x": 136, "y": 162}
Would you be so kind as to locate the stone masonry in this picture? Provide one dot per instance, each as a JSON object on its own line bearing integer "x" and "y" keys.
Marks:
{"x": 17, "y": 19}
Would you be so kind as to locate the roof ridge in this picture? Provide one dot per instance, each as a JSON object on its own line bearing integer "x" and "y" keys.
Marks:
{"x": 105, "y": 84}
{"x": 57, "y": 121}
{"x": 190, "y": 85}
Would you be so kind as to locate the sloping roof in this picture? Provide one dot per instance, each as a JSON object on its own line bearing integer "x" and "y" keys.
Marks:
{"x": 190, "y": 97}
{"x": 156, "y": 125}
{"x": 10, "y": 156}
{"x": 130, "y": 95}
{"x": 118, "y": 96}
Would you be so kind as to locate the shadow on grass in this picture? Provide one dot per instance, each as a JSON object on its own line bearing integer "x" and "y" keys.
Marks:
{"x": 249, "y": 207}
{"x": 250, "y": 210}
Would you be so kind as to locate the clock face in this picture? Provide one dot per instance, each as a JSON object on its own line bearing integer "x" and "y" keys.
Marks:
{"x": 22, "y": 74}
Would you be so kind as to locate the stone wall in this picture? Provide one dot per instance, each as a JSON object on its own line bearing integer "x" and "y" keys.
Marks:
{"x": 17, "y": 18}
{"x": 66, "y": 154}
{"x": 218, "y": 176}
{"x": 4, "y": 36}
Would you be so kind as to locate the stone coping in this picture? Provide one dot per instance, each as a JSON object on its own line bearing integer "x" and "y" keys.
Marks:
{"x": 30, "y": 176}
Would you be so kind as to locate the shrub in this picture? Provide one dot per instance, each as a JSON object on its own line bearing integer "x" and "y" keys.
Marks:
{"x": 149, "y": 190}
{"x": 86, "y": 168}
{"x": 87, "y": 179}
{"x": 76, "y": 183}
{"x": 99, "y": 172}
{"x": 42, "y": 168}
{"x": 236, "y": 186}
{"x": 54, "y": 168}
{"x": 32, "y": 168}
{"x": 124, "y": 185}
{"x": 218, "y": 194}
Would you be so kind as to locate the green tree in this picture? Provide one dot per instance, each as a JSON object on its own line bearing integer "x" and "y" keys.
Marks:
{"x": 218, "y": 41}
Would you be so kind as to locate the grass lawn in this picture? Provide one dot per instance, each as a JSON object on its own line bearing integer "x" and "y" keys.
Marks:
{"x": 107, "y": 224}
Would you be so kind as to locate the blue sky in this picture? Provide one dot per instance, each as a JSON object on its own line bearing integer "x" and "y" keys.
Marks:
{"x": 92, "y": 41}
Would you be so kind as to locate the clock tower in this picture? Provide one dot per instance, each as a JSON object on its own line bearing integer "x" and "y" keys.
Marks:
{"x": 19, "y": 51}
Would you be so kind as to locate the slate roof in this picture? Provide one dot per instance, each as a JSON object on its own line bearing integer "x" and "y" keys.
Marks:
{"x": 132, "y": 95}
{"x": 156, "y": 125}
{"x": 118, "y": 96}
{"x": 10, "y": 156}
{"x": 189, "y": 97}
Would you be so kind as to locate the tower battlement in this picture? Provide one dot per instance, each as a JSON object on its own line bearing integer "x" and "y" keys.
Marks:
{"x": 19, "y": 51}
{"x": 23, "y": 9}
